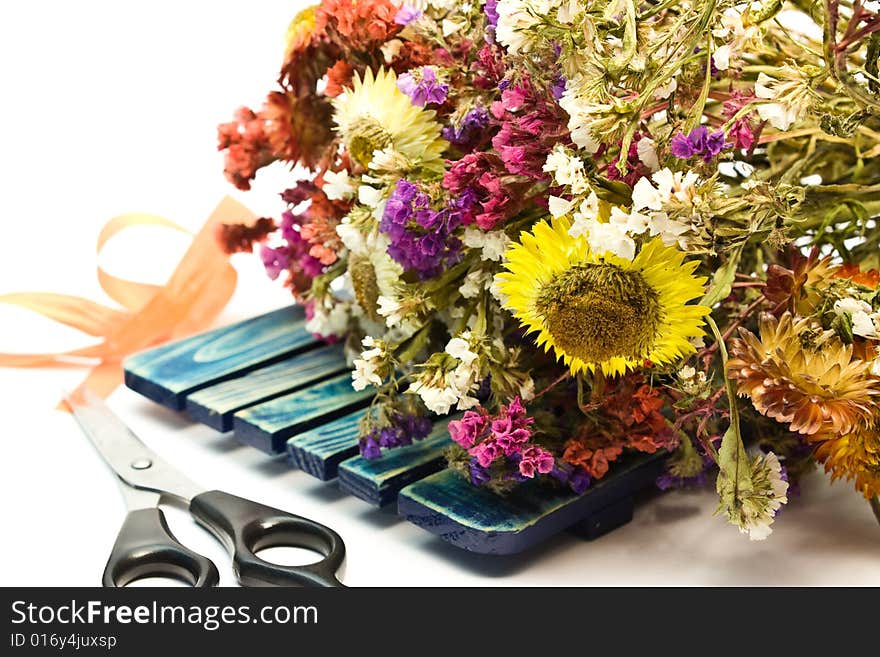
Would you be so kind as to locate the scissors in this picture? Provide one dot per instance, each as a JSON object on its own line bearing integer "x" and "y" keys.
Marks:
{"x": 146, "y": 547}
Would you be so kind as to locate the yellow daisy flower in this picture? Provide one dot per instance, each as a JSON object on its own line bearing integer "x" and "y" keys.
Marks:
{"x": 374, "y": 115}
{"x": 300, "y": 30}
{"x": 601, "y": 311}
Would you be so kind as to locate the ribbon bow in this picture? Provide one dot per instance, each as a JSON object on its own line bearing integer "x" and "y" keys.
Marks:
{"x": 198, "y": 289}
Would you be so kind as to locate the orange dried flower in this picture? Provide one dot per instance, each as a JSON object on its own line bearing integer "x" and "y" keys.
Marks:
{"x": 594, "y": 460}
{"x": 360, "y": 25}
{"x": 799, "y": 288}
{"x": 338, "y": 77}
{"x": 870, "y": 278}
{"x": 803, "y": 376}
{"x": 629, "y": 416}
{"x": 855, "y": 456}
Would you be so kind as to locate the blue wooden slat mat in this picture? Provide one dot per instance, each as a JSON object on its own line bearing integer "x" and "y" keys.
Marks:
{"x": 216, "y": 404}
{"x": 319, "y": 451}
{"x": 476, "y": 519}
{"x": 267, "y": 426}
{"x": 279, "y": 389}
{"x": 169, "y": 373}
{"x": 378, "y": 481}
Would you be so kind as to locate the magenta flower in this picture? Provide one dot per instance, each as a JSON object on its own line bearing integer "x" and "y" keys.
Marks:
{"x": 486, "y": 452}
{"x": 274, "y": 260}
{"x": 531, "y": 124}
{"x": 535, "y": 459}
{"x": 742, "y": 134}
{"x": 466, "y": 430}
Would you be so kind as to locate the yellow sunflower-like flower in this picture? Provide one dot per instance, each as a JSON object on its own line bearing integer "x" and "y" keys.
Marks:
{"x": 374, "y": 115}
{"x": 601, "y": 311}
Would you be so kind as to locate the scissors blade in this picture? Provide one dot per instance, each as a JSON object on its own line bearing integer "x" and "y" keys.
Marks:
{"x": 133, "y": 462}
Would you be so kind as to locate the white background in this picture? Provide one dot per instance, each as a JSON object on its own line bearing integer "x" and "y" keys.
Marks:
{"x": 110, "y": 107}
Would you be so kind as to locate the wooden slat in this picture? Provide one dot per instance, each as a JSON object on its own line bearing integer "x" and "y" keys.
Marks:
{"x": 378, "y": 481}
{"x": 169, "y": 373}
{"x": 267, "y": 426}
{"x": 475, "y": 519}
{"x": 215, "y": 405}
{"x": 319, "y": 451}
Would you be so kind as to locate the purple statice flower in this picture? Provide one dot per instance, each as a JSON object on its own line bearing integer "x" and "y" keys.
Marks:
{"x": 716, "y": 74}
{"x": 275, "y": 260}
{"x": 289, "y": 226}
{"x": 579, "y": 481}
{"x": 667, "y": 481}
{"x": 490, "y": 8}
{"x": 402, "y": 431}
{"x": 369, "y": 445}
{"x": 389, "y": 437}
{"x": 479, "y": 474}
{"x": 407, "y": 14}
{"x": 576, "y": 478}
{"x": 472, "y": 125}
{"x": 681, "y": 146}
{"x": 422, "y": 87}
{"x": 297, "y": 250}
{"x": 421, "y": 237}
{"x": 699, "y": 142}
{"x": 558, "y": 86}
{"x": 411, "y": 427}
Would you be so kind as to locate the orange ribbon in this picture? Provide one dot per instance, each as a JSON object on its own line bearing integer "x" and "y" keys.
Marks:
{"x": 198, "y": 289}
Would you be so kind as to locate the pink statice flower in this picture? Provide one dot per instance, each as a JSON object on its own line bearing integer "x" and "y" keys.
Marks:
{"x": 466, "y": 430}
{"x": 535, "y": 460}
{"x": 532, "y": 122}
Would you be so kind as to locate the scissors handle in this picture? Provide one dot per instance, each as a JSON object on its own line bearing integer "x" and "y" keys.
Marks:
{"x": 246, "y": 527}
{"x": 146, "y": 547}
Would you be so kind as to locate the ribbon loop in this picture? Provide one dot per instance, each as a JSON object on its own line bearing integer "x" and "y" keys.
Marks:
{"x": 198, "y": 289}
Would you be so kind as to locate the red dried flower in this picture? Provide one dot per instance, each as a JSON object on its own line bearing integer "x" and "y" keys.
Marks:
{"x": 338, "y": 76}
{"x": 238, "y": 238}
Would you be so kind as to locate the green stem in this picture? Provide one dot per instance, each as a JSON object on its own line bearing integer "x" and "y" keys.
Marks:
{"x": 875, "y": 506}
{"x": 728, "y": 382}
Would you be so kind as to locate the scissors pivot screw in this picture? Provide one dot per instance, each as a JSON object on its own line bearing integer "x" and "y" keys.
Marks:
{"x": 141, "y": 464}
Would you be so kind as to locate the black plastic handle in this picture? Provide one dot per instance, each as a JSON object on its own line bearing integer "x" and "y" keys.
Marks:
{"x": 146, "y": 547}
{"x": 246, "y": 527}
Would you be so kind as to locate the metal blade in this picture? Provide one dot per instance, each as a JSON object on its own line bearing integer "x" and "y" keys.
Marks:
{"x": 132, "y": 461}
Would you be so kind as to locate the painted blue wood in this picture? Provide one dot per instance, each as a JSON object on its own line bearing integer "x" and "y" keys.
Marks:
{"x": 267, "y": 426}
{"x": 284, "y": 391}
{"x": 215, "y": 405}
{"x": 378, "y": 481}
{"x": 169, "y": 373}
{"x": 319, "y": 451}
{"x": 477, "y": 520}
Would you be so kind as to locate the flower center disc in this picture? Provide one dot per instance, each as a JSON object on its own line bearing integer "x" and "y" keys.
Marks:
{"x": 365, "y": 136}
{"x": 600, "y": 311}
